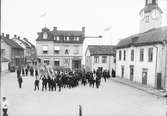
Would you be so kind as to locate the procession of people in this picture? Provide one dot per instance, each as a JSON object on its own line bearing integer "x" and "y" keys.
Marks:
{"x": 49, "y": 79}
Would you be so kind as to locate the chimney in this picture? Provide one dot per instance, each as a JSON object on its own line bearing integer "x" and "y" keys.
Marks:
{"x": 7, "y": 36}
{"x": 54, "y": 28}
{"x": 83, "y": 29}
{"x": 15, "y": 36}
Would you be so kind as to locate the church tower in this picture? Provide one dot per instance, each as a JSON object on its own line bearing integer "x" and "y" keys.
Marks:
{"x": 150, "y": 16}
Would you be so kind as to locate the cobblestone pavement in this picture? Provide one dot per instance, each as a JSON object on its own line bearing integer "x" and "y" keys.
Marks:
{"x": 111, "y": 99}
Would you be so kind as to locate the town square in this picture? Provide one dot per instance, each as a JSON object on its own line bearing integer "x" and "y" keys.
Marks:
{"x": 84, "y": 58}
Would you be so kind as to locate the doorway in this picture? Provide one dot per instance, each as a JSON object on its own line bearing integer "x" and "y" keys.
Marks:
{"x": 131, "y": 72}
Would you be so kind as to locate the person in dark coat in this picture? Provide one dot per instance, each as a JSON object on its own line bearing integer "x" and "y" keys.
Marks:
{"x": 36, "y": 73}
{"x": 26, "y": 70}
{"x": 20, "y": 81}
{"x": 23, "y": 72}
{"x": 36, "y": 84}
{"x": 44, "y": 83}
{"x": 18, "y": 72}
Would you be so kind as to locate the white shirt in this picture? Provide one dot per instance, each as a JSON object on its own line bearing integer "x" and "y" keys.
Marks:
{"x": 4, "y": 105}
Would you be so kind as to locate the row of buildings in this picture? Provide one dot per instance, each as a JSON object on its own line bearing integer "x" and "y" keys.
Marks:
{"x": 140, "y": 58}
{"x": 16, "y": 51}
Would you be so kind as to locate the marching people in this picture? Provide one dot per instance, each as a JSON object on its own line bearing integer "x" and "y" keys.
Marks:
{"x": 4, "y": 106}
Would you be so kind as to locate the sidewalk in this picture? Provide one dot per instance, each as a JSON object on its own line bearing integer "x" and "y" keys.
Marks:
{"x": 150, "y": 90}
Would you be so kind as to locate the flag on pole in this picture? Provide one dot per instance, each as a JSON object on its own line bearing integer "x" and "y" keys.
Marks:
{"x": 43, "y": 15}
{"x": 107, "y": 29}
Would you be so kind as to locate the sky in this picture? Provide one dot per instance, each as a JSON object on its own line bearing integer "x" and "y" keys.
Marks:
{"x": 113, "y": 19}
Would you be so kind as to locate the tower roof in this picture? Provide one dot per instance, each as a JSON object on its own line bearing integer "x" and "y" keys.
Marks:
{"x": 150, "y": 7}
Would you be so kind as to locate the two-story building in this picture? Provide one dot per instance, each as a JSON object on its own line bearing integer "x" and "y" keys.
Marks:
{"x": 60, "y": 48}
{"x": 100, "y": 56}
{"x": 29, "y": 48}
{"x": 143, "y": 57}
{"x": 12, "y": 51}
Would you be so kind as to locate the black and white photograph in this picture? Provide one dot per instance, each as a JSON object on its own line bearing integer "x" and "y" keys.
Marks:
{"x": 83, "y": 58}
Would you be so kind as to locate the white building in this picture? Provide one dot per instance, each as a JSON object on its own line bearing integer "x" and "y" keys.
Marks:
{"x": 60, "y": 48}
{"x": 143, "y": 57}
{"x": 100, "y": 56}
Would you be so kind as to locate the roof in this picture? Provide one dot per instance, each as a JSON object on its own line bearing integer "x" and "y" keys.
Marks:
{"x": 68, "y": 33}
{"x": 27, "y": 42}
{"x": 101, "y": 49}
{"x": 11, "y": 42}
{"x": 153, "y": 36}
{"x": 150, "y": 7}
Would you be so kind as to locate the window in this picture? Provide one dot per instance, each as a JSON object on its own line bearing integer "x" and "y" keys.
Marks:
{"x": 46, "y": 61}
{"x": 56, "y": 50}
{"x": 61, "y": 38}
{"x": 124, "y": 55}
{"x": 96, "y": 58}
{"x": 120, "y": 53}
{"x": 71, "y": 37}
{"x": 58, "y": 38}
{"x": 45, "y": 49}
{"x": 56, "y": 63}
{"x": 141, "y": 55}
{"x": 132, "y": 55}
{"x": 45, "y": 35}
{"x": 149, "y": 1}
{"x": 147, "y": 19}
{"x": 66, "y": 51}
{"x": 104, "y": 59}
{"x": 150, "y": 54}
{"x": 2, "y": 52}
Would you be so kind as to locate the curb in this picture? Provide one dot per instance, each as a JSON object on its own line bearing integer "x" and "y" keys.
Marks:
{"x": 158, "y": 94}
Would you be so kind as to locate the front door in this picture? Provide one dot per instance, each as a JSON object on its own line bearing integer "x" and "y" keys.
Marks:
{"x": 76, "y": 64}
{"x": 131, "y": 72}
{"x": 122, "y": 70}
{"x": 144, "y": 77}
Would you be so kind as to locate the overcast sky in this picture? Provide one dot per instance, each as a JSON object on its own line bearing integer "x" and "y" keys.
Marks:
{"x": 121, "y": 17}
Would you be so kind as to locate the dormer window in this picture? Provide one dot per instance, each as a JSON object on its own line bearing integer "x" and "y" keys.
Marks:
{"x": 45, "y": 35}
{"x": 149, "y": 1}
{"x": 58, "y": 38}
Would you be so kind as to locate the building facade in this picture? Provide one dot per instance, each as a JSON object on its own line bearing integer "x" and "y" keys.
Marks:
{"x": 60, "y": 48}
{"x": 142, "y": 57}
{"x": 100, "y": 56}
{"x": 12, "y": 51}
{"x": 29, "y": 48}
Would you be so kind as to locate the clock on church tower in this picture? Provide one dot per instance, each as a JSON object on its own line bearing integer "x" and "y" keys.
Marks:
{"x": 150, "y": 16}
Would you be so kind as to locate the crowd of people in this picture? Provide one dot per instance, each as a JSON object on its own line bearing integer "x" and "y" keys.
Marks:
{"x": 55, "y": 80}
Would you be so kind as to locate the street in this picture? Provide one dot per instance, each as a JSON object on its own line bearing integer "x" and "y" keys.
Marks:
{"x": 111, "y": 99}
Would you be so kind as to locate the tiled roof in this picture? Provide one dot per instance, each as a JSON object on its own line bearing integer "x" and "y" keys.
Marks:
{"x": 157, "y": 35}
{"x": 101, "y": 50}
{"x": 68, "y": 33}
{"x": 150, "y": 7}
{"x": 27, "y": 42}
{"x": 11, "y": 42}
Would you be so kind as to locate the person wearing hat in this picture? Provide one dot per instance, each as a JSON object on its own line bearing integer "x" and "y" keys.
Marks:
{"x": 4, "y": 106}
